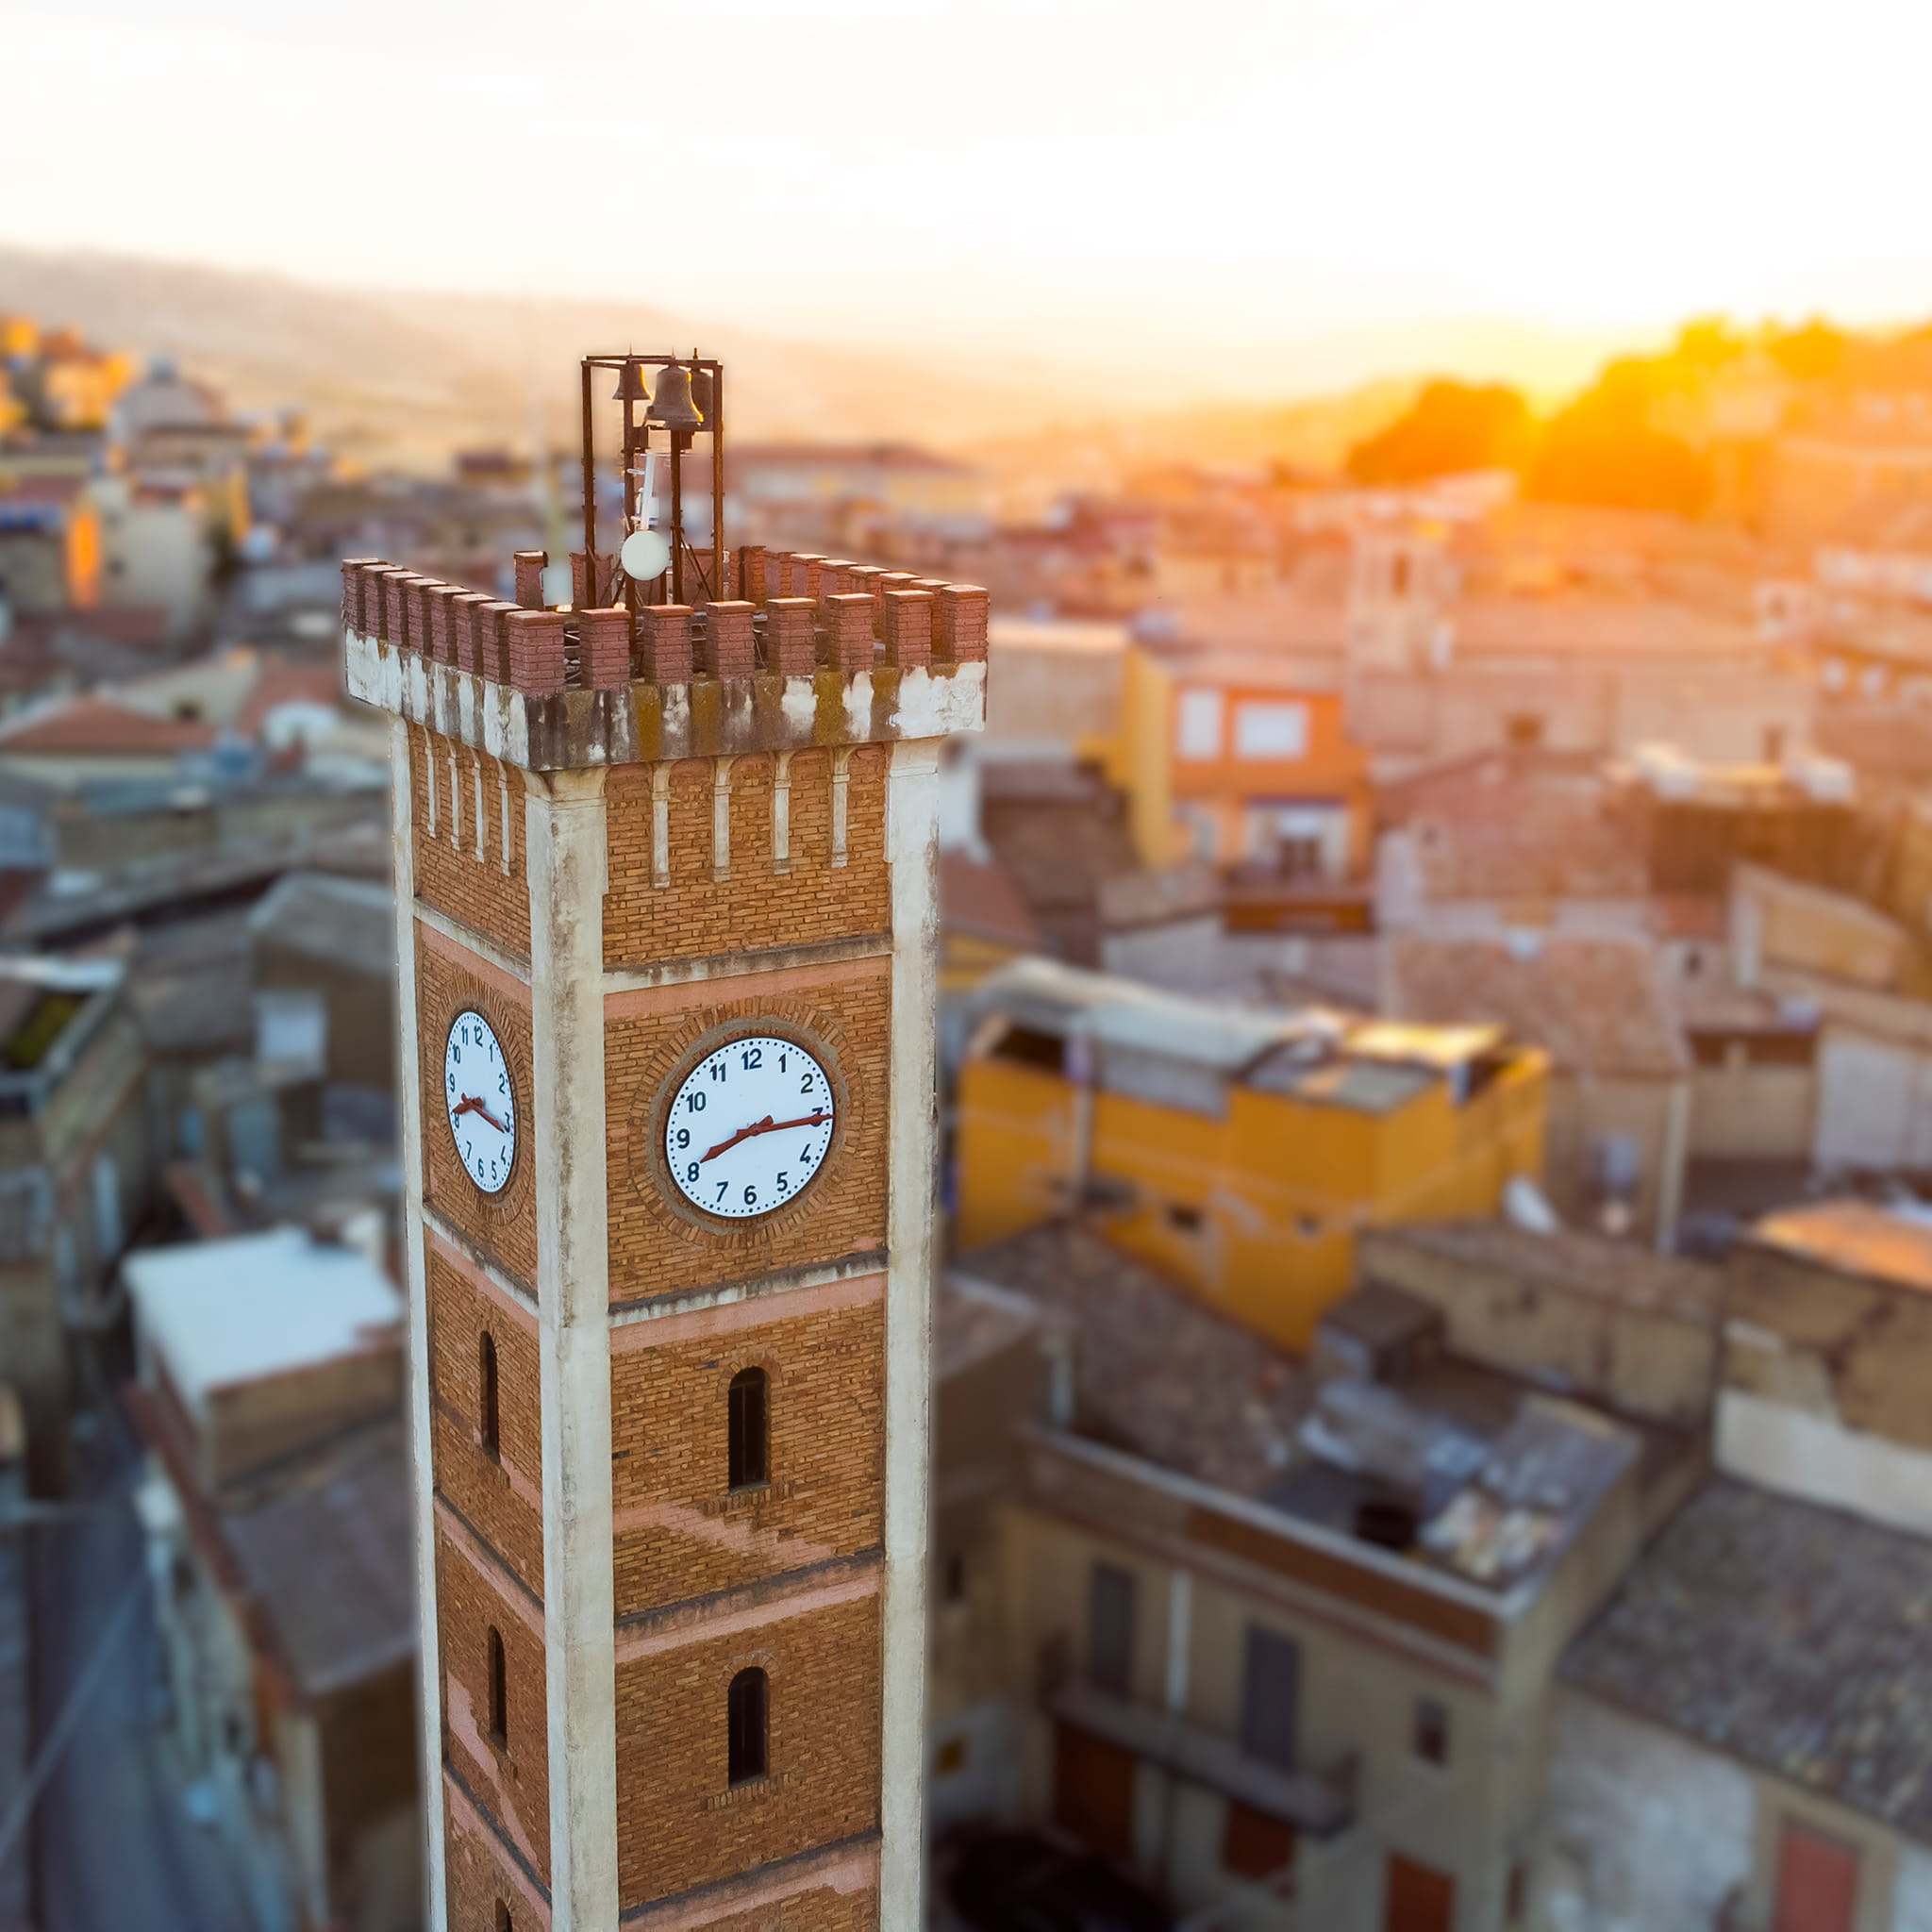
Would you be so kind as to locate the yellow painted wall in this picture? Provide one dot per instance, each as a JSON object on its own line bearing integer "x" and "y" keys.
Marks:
{"x": 1274, "y": 1192}
{"x": 1142, "y": 761}
{"x": 83, "y": 559}
{"x": 1014, "y": 1145}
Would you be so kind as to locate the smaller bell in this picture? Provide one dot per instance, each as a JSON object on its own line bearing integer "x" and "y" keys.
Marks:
{"x": 630, "y": 385}
{"x": 703, "y": 392}
{"x": 671, "y": 407}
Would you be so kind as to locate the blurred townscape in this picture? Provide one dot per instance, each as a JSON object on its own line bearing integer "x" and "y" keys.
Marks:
{"x": 1436, "y": 973}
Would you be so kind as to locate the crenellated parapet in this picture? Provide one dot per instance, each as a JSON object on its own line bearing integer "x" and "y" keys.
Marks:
{"x": 808, "y": 651}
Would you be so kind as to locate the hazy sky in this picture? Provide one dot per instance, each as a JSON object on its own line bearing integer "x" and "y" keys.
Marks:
{"x": 1191, "y": 190}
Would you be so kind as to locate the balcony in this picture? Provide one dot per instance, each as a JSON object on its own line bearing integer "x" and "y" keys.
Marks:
{"x": 1320, "y": 1802}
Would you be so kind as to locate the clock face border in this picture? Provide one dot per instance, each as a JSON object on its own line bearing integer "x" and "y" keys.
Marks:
{"x": 663, "y": 1092}
{"x": 489, "y": 1197}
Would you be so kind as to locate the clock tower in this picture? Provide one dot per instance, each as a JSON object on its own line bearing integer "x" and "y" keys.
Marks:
{"x": 665, "y": 929}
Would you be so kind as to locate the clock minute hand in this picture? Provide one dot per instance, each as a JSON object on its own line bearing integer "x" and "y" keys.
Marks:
{"x": 473, "y": 1103}
{"x": 767, "y": 1125}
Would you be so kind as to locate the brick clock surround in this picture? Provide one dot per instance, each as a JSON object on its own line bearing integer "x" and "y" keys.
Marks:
{"x": 671, "y": 1467}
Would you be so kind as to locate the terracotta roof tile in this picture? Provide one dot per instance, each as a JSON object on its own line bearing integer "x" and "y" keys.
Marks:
{"x": 1595, "y": 1005}
{"x": 977, "y": 897}
{"x": 91, "y": 727}
{"x": 1790, "y": 1637}
{"x": 289, "y": 684}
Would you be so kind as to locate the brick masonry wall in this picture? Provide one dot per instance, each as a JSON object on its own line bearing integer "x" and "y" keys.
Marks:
{"x": 653, "y": 1248}
{"x": 680, "y": 1531}
{"x": 454, "y": 880}
{"x": 679, "y": 1825}
{"x": 501, "y": 1496}
{"x": 511, "y": 1781}
{"x": 820, "y": 1909}
{"x": 476, "y": 1882}
{"x": 756, "y": 909}
{"x": 503, "y": 1226}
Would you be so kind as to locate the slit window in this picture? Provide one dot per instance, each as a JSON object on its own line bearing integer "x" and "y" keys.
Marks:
{"x": 499, "y": 1688}
{"x": 488, "y": 1414}
{"x": 745, "y": 1721}
{"x": 503, "y": 1918}
{"x": 749, "y": 1433}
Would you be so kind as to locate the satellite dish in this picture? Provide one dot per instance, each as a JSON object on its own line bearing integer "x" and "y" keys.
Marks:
{"x": 646, "y": 554}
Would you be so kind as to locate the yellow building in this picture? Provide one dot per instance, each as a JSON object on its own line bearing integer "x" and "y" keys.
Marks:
{"x": 1238, "y": 1152}
{"x": 1239, "y": 756}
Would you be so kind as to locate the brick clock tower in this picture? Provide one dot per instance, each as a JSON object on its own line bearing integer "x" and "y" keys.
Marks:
{"x": 666, "y": 923}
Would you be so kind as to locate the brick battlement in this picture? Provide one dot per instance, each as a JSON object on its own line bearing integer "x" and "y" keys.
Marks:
{"x": 811, "y": 651}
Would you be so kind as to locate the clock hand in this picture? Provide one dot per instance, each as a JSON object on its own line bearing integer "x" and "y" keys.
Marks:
{"x": 767, "y": 1125}
{"x": 473, "y": 1103}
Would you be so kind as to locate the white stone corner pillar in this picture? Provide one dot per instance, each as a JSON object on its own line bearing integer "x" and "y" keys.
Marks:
{"x": 912, "y": 1111}
{"x": 416, "y": 1287}
{"x": 565, "y": 841}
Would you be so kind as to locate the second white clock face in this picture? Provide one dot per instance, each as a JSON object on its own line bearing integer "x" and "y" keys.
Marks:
{"x": 749, "y": 1126}
{"x": 478, "y": 1096}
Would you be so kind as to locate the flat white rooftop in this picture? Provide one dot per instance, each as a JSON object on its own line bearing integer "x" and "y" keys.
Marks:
{"x": 222, "y": 1313}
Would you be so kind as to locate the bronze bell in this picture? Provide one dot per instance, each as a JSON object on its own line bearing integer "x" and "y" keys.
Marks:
{"x": 672, "y": 406}
{"x": 630, "y": 385}
{"x": 702, "y": 393}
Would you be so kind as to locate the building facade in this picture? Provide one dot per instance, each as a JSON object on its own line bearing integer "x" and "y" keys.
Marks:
{"x": 75, "y": 1181}
{"x": 670, "y": 1444}
{"x": 1279, "y": 1638}
{"x": 1240, "y": 1153}
{"x": 1242, "y": 758}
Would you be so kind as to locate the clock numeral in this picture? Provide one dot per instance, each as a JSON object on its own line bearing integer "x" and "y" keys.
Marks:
{"x": 751, "y": 1196}
{"x": 752, "y": 1056}
{"x": 690, "y": 1174}
{"x": 721, "y": 1070}
{"x": 804, "y": 1085}
{"x": 783, "y": 1183}
{"x": 722, "y": 1186}
{"x": 782, "y": 1058}
{"x": 696, "y": 1102}
{"x": 684, "y": 1136}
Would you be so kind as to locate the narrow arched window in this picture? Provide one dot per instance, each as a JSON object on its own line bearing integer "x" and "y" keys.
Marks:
{"x": 488, "y": 1412}
{"x": 503, "y": 1918}
{"x": 499, "y": 1688}
{"x": 750, "y": 1464}
{"x": 745, "y": 1721}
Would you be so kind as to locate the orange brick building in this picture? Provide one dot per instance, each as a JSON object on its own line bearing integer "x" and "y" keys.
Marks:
{"x": 670, "y": 1442}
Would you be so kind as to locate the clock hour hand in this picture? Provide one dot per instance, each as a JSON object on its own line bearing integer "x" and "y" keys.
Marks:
{"x": 473, "y": 1103}
{"x": 767, "y": 1125}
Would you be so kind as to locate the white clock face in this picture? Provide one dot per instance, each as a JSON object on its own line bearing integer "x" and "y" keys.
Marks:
{"x": 749, "y": 1126}
{"x": 480, "y": 1100}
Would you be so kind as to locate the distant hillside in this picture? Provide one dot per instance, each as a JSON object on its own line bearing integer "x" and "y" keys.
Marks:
{"x": 1100, "y": 455}
{"x": 390, "y": 378}
{"x": 405, "y": 377}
